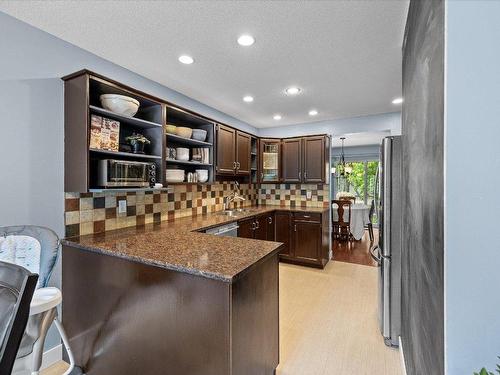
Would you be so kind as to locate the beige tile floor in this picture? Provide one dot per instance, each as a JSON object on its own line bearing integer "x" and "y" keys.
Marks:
{"x": 328, "y": 323}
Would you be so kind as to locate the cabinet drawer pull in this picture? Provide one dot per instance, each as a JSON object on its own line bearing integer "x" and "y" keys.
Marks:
{"x": 306, "y": 216}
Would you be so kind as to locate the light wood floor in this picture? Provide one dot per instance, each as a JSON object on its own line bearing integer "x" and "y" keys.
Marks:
{"x": 328, "y": 323}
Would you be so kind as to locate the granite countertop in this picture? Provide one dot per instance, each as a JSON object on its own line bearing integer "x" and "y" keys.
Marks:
{"x": 179, "y": 245}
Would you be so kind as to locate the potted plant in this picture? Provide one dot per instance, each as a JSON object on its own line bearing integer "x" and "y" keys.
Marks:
{"x": 483, "y": 371}
{"x": 137, "y": 141}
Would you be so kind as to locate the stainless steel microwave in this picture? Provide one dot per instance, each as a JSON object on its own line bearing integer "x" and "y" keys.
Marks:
{"x": 121, "y": 173}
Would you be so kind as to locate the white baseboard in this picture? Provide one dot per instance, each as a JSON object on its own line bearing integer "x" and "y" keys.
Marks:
{"x": 52, "y": 356}
{"x": 403, "y": 363}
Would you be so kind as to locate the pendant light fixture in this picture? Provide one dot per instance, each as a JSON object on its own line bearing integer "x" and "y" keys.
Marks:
{"x": 344, "y": 169}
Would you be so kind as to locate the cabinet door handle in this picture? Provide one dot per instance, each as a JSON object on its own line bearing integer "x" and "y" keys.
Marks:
{"x": 295, "y": 227}
{"x": 299, "y": 175}
{"x": 234, "y": 165}
{"x": 305, "y": 175}
{"x": 270, "y": 220}
{"x": 253, "y": 226}
{"x": 238, "y": 165}
{"x": 257, "y": 223}
{"x": 262, "y": 175}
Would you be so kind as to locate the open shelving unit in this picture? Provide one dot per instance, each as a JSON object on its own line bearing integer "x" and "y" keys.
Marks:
{"x": 254, "y": 160}
{"x": 82, "y": 92}
{"x": 179, "y": 117}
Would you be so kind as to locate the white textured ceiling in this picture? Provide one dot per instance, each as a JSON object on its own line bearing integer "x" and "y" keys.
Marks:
{"x": 345, "y": 55}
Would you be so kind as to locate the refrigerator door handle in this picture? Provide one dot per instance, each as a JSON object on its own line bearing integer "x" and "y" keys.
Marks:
{"x": 376, "y": 256}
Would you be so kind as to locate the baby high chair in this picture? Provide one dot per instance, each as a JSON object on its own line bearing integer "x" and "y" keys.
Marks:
{"x": 36, "y": 249}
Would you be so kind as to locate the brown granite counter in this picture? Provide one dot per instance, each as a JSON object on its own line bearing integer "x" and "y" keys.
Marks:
{"x": 178, "y": 245}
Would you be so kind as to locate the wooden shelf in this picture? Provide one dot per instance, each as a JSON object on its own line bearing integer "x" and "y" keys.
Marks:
{"x": 128, "y": 154}
{"x": 187, "y": 141}
{"x": 193, "y": 163}
{"x": 127, "y": 119}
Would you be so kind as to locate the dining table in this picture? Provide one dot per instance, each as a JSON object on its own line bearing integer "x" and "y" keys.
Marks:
{"x": 360, "y": 216}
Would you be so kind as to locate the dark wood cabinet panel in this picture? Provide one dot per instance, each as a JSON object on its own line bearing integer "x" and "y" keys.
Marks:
{"x": 306, "y": 240}
{"x": 261, "y": 228}
{"x": 270, "y": 223}
{"x": 226, "y": 150}
{"x": 246, "y": 228}
{"x": 243, "y": 150}
{"x": 292, "y": 160}
{"x": 314, "y": 159}
{"x": 282, "y": 221}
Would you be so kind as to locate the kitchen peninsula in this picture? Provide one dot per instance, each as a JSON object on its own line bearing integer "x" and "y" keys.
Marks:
{"x": 188, "y": 302}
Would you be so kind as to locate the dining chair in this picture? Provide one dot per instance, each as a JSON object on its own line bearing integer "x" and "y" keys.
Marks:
{"x": 342, "y": 228}
{"x": 17, "y": 285}
{"x": 369, "y": 226}
{"x": 35, "y": 248}
{"x": 348, "y": 198}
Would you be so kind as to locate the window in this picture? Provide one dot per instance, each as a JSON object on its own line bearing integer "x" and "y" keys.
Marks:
{"x": 360, "y": 183}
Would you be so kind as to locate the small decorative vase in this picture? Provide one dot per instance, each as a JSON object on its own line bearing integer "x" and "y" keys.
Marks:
{"x": 138, "y": 148}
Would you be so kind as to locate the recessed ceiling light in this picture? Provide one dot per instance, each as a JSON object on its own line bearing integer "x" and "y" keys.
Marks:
{"x": 277, "y": 117}
{"x": 292, "y": 90}
{"x": 397, "y": 101}
{"x": 248, "y": 99}
{"x": 313, "y": 112}
{"x": 246, "y": 40}
{"x": 185, "y": 59}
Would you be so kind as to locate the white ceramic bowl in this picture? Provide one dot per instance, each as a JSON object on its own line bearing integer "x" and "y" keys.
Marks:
{"x": 121, "y": 104}
{"x": 202, "y": 175}
{"x": 182, "y": 153}
{"x": 199, "y": 134}
{"x": 174, "y": 175}
{"x": 182, "y": 131}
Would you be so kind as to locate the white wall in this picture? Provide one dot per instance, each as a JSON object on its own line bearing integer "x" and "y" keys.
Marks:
{"x": 472, "y": 207}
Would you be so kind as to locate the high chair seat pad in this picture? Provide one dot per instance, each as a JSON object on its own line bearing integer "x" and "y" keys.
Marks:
{"x": 45, "y": 299}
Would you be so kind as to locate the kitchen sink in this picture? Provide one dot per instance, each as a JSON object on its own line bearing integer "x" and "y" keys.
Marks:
{"x": 235, "y": 212}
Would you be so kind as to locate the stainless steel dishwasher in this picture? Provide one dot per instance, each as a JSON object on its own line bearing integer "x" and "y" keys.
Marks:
{"x": 228, "y": 230}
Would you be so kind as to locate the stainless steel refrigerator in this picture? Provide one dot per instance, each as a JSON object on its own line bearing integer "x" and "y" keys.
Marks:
{"x": 387, "y": 253}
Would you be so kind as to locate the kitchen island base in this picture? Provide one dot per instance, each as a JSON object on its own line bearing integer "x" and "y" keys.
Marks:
{"x": 128, "y": 317}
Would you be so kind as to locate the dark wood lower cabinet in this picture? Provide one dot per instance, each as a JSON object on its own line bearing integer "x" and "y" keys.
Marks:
{"x": 246, "y": 228}
{"x": 305, "y": 235}
{"x": 283, "y": 222}
{"x": 306, "y": 240}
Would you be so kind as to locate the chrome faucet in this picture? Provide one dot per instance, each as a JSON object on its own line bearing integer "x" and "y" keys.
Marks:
{"x": 234, "y": 196}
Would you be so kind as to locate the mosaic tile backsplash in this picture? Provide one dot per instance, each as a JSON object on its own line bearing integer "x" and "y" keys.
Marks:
{"x": 87, "y": 213}
{"x": 294, "y": 195}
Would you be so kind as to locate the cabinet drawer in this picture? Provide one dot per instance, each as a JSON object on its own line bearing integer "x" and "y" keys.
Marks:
{"x": 307, "y": 216}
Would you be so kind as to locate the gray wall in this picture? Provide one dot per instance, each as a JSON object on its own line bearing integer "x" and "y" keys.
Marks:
{"x": 31, "y": 118}
{"x": 423, "y": 189}
{"x": 472, "y": 183}
{"x": 364, "y": 124}
{"x": 368, "y": 152}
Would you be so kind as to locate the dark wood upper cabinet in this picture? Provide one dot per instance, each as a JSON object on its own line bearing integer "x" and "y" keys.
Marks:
{"x": 292, "y": 160}
{"x": 226, "y": 151}
{"x": 314, "y": 159}
{"x": 243, "y": 150}
{"x": 270, "y": 160}
{"x": 282, "y": 222}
